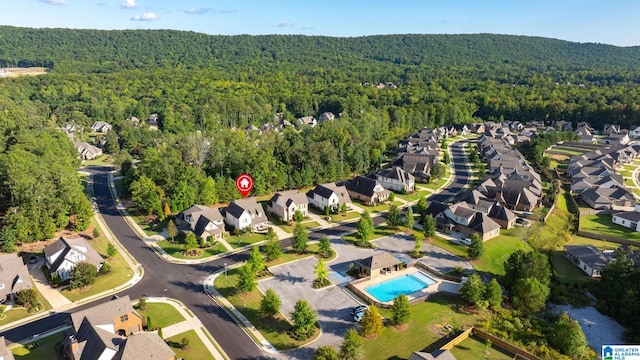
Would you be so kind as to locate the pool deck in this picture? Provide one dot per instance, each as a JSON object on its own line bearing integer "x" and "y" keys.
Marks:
{"x": 440, "y": 285}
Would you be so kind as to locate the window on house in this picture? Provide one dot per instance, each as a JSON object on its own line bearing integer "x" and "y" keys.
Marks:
{"x": 124, "y": 318}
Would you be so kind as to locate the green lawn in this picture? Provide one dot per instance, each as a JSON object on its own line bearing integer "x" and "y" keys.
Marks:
{"x": 426, "y": 320}
{"x": 350, "y": 215}
{"x": 417, "y": 195}
{"x": 162, "y": 314}
{"x": 196, "y": 351}
{"x": 176, "y": 249}
{"x": 237, "y": 241}
{"x": 496, "y": 250}
{"x": 380, "y": 207}
{"x": 377, "y": 233}
{"x": 274, "y": 330}
{"x": 473, "y": 348}
{"x": 46, "y": 349}
{"x": 438, "y": 184}
{"x": 562, "y": 201}
{"x": 566, "y": 272}
{"x": 18, "y": 313}
{"x": 309, "y": 225}
{"x": 602, "y": 245}
{"x": 602, "y": 224}
{"x": 120, "y": 274}
{"x": 99, "y": 161}
{"x": 119, "y": 184}
{"x": 150, "y": 228}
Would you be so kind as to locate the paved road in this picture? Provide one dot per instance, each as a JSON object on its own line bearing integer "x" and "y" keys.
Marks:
{"x": 462, "y": 172}
{"x": 184, "y": 282}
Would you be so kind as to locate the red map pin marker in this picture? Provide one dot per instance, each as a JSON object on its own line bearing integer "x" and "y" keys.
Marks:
{"x": 244, "y": 183}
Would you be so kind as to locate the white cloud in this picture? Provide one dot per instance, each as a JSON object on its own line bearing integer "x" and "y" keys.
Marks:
{"x": 285, "y": 24}
{"x": 54, "y": 2}
{"x": 148, "y": 16}
{"x": 129, "y": 4}
{"x": 198, "y": 11}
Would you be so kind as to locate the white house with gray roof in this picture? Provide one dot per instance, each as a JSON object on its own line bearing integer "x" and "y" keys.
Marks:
{"x": 64, "y": 254}
{"x": 396, "y": 179}
{"x": 202, "y": 220}
{"x": 245, "y": 214}
{"x": 628, "y": 219}
{"x": 329, "y": 195}
{"x": 588, "y": 258}
{"x": 284, "y": 204}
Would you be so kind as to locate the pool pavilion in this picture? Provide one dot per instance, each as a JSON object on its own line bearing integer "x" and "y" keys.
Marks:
{"x": 380, "y": 263}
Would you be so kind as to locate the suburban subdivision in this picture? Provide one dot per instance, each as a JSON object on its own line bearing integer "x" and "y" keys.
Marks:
{"x": 227, "y": 204}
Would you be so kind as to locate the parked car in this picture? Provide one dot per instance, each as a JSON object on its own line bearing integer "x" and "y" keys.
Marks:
{"x": 359, "y": 308}
{"x": 523, "y": 222}
{"x": 466, "y": 241}
{"x": 358, "y": 316}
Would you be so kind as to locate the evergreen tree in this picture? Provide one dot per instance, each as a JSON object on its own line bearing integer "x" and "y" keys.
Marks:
{"x": 569, "y": 338}
{"x": 300, "y": 239}
{"x": 270, "y": 304}
{"x": 473, "y": 290}
{"x": 271, "y": 248}
{"x": 401, "y": 310}
{"x": 529, "y": 295}
{"x": 324, "y": 247}
{"x": 493, "y": 294}
{"x": 371, "y": 322}
{"x": 410, "y": 220}
{"x": 247, "y": 279}
{"x": 476, "y": 248}
{"x": 326, "y": 353}
{"x": 393, "y": 217}
{"x": 429, "y": 227}
{"x": 421, "y": 206}
{"x": 351, "y": 348}
{"x": 365, "y": 228}
{"x": 304, "y": 320}
{"x": 255, "y": 260}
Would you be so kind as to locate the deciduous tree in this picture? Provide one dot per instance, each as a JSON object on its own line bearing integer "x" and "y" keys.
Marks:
{"x": 493, "y": 294}
{"x": 255, "y": 260}
{"x": 365, "y": 228}
{"x": 270, "y": 304}
{"x": 247, "y": 279}
{"x": 351, "y": 348}
{"x": 393, "y": 217}
{"x": 271, "y": 248}
{"x": 325, "y": 352}
{"x": 83, "y": 274}
{"x": 324, "y": 247}
{"x": 304, "y": 320}
{"x": 401, "y": 310}
{"x": 371, "y": 322}
{"x": 476, "y": 248}
{"x": 529, "y": 295}
{"x": 429, "y": 227}
{"x": 172, "y": 230}
{"x": 300, "y": 239}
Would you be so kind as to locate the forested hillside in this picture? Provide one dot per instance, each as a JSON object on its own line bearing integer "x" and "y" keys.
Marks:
{"x": 204, "y": 86}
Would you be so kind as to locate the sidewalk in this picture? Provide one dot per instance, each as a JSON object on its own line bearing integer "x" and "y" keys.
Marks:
{"x": 191, "y": 323}
{"x": 240, "y": 319}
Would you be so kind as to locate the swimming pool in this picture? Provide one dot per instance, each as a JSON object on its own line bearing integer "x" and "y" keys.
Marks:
{"x": 407, "y": 284}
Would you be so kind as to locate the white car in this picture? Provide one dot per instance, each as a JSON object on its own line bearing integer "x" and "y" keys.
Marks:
{"x": 358, "y": 316}
{"x": 465, "y": 241}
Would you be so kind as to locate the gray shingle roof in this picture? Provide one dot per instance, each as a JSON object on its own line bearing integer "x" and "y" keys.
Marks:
{"x": 65, "y": 245}
{"x": 144, "y": 345}
{"x": 629, "y": 215}
{"x": 286, "y": 198}
{"x": 237, "y": 207}
{"x": 380, "y": 260}
{"x": 363, "y": 185}
{"x": 103, "y": 313}
{"x": 589, "y": 255}
{"x": 14, "y": 275}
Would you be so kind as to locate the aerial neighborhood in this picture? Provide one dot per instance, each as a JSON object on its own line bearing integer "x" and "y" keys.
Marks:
{"x": 175, "y": 195}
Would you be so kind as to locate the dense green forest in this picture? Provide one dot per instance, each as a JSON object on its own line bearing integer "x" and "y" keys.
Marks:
{"x": 204, "y": 86}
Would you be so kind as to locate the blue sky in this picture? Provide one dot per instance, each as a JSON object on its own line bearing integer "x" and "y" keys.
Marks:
{"x": 609, "y": 22}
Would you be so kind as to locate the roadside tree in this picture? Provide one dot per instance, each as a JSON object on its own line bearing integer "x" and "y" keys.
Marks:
{"x": 247, "y": 279}
{"x": 324, "y": 247}
{"x": 300, "y": 239}
{"x": 255, "y": 260}
{"x": 271, "y": 248}
{"x": 365, "y": 229}
{"x": 270, "y": 304}
{"x": 393, "y": 217}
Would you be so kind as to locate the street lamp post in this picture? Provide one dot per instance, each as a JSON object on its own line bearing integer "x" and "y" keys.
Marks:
{"x": 225, "y": 270}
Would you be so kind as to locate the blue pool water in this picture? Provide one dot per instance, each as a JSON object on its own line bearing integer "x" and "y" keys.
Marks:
{"x": 407, "y": 284}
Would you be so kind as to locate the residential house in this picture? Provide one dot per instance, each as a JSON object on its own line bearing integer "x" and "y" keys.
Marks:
{"x": 367, "y": 190}
{"x": 326, "y": 116}
{"x": 153, "y": 121}
{"x": 306, "y": 121}
{"x": 629, "y": 219}
{"x": 14, "y": 276}
{"x": 329, "y": 195}
{"x": 201, "y": 220}
{"x": 608, "y": 198}
{"x": 586, "y": 134}
{"x": 621, "y": 138}
{"x": 396, "y": 179}
{"x": 101, "y": 126}
{"x": 464, "y": 219}
{"x": 634, "y": 132}
{"x": 5, "y": 354}
{"x": 588, "y": 258}
{"x": 562, "y": 125}
{"x": 87, "y": 151}
{"x": 477, "y": 128}
{"x": 462, "y": 129}
{"x": 581, "y": 183}
{"x": 434, "y": 355}
{"x": 609, "y": 129}
{"x": 112, "y": 331}
{"x": 418, "y": 164}
{"x": 62, "y": 256}
{"x": 378, "y": 264}
{"x": 284, "y": 204}
{"x": 245, "y": 214}
{"x": 496, "y": 212}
